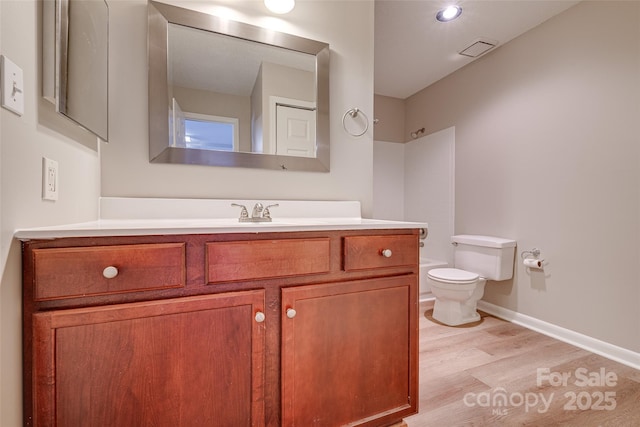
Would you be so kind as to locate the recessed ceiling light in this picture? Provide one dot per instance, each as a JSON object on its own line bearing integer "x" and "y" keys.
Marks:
{"x": 449, "y": 13}
{"x": 280, "y": 6}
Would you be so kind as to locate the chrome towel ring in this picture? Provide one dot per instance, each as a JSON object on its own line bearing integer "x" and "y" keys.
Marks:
{"x": 353, "y": 112}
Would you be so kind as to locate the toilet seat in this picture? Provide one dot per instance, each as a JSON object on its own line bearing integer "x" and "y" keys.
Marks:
{"x": 453, "y": 276}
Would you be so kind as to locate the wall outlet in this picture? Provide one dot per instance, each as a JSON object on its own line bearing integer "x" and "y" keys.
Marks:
{"x": 49, "y": 179}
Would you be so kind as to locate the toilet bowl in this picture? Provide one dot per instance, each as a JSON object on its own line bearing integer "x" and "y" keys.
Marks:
{"x": 426, "y": 265}
{"x": 457, "y": 293}
{"x": 457, "y": 290}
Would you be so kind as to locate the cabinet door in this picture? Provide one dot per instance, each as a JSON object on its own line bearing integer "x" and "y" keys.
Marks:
{"x": 194, "y": 361}
{"x": 349, "y": 353}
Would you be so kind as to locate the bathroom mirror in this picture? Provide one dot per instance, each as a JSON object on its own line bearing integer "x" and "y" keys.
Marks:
{"x": 76, "y": 61}
{"x": 224, "y": 93}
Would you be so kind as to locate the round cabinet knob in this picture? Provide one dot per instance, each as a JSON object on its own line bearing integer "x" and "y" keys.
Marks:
{"x": 260, "y": 317}
{"x": 386, "y": 253}
{"x": 110, "y": 272}
{"x": 291, "y": 313}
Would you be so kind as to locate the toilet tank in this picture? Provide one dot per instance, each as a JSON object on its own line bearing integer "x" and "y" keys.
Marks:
{"x": 490, "y": 257}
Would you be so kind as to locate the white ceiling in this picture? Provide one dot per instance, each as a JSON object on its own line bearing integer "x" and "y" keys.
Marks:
{"x": 413, "y": 50}
{"x": 234, "y": 62}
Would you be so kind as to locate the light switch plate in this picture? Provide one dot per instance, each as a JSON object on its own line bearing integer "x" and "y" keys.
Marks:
{"x": 11, "y": 86}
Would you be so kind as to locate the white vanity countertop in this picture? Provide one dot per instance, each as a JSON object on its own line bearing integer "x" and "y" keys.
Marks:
{"x": 135, "y": 217}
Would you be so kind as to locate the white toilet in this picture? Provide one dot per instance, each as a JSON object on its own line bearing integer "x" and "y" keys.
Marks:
{"x": 457, "y": 290}
{"x": 426, "y": 265}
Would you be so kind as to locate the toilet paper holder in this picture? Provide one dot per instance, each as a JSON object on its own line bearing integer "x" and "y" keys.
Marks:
{"x": 535, "y": 252}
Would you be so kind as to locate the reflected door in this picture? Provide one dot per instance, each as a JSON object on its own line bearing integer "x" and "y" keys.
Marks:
{"x": 295, "y": 131}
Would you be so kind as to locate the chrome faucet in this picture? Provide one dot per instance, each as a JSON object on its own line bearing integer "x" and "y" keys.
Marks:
{"x": 258, "y": 214}
{"x": 257, "y": 210}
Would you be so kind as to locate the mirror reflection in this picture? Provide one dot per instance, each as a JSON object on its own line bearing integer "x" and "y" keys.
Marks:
{"x": 242, "y": 96}
{"x": 236, "y": 95}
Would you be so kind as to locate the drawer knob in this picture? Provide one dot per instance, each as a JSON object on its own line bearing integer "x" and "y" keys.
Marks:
{"x": 260, "y": 317}
{"x": 110, "y": 272}
{"x": 291, "y": 313}
{"x": 386, "y": 253}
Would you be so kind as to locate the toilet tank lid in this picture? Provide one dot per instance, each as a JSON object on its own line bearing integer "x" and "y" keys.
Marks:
{"x": 486, "y": 241}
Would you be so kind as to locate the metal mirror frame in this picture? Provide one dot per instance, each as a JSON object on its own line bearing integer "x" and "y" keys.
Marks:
{"x": 88, "y": 110}
{"x": 160, "y": 15}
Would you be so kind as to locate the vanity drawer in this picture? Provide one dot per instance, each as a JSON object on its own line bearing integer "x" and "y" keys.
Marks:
{"x": 367, "y": 252}
{"x": 261, "y": 259}
{"x": 83, "y": 271}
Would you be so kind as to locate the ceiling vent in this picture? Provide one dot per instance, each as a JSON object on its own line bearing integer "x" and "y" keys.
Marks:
{"x": 478, "y": 47}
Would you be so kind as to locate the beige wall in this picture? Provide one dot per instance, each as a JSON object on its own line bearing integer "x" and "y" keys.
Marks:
{"x": 346, "y": 25}
{"x": 24, "y": 140}
{"x": 280, "y": 80}
{"x": 388, "y": 180}
{"x": 548, "y": 153}
{"x": 122, "y": 165}
{"x": 390, "y": 114}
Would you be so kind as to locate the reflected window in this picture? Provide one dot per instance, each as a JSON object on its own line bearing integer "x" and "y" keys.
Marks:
{"x": 206, "y": 132}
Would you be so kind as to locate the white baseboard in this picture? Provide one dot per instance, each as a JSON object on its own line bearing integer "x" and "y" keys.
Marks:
{"x": 604, "y": 349}
{"x": 427, "y": 297}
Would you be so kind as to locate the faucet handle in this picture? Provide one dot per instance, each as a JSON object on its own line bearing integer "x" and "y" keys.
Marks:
{"x": 243, "y": 212}
{"x": 267, "y": 213}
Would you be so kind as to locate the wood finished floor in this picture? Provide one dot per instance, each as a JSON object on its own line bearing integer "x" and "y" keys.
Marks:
{"x": 464, "y": 370}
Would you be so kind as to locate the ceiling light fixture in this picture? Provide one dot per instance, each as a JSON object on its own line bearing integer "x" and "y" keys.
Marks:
{"x": 449, "y": 13}
{"x": 280, "y": 6}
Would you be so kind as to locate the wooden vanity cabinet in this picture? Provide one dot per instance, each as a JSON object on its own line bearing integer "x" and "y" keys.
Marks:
{"x": 346, "y": 353}
{"x": 193, "y": 361}
{"x": 269, "y": 329}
